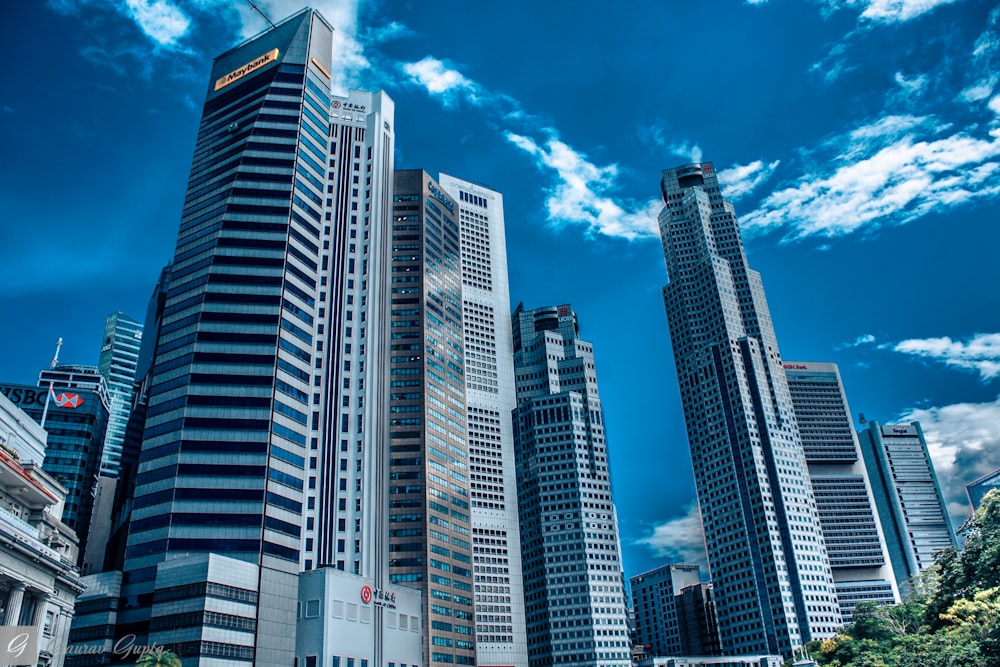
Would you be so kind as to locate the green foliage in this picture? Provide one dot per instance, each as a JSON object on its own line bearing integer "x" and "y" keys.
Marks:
{"x": 949, "y": 618}
{"x": 158, "y": 657}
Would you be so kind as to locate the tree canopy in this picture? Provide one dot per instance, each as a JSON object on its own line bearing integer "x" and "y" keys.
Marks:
{"x": 949, "y": 618}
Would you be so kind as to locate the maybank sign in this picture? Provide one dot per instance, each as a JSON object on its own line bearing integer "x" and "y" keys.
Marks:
{"x": 249, "y": 68}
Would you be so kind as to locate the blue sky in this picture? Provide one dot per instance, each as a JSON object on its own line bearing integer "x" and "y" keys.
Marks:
{"x": 858, "y": 139}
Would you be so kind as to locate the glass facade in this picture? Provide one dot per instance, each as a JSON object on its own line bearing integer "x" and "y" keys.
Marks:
{"x": 429, "y": 494}
{"x": 117, "y": 364}
{"x": 771, "y": 574}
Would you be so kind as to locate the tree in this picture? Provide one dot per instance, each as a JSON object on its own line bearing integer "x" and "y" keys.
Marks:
{"x": 158, "y": 657}
{"x": 975, "y": 568}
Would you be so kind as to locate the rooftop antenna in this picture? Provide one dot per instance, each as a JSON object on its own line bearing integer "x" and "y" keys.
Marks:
{"x": 49, "y": 396}
{"x": 262, "y": 14}
{"x": 55, "y": 358}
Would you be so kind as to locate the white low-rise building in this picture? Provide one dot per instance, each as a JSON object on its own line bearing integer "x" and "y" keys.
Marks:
{"x": 39, "y": 580}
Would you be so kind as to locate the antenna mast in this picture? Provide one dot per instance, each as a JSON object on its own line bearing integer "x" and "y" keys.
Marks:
{"x": 55, "y": 358}
{"x": 262, "y": 15}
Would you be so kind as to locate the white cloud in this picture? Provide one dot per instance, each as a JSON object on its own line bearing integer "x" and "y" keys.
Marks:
{"x": 679, "y": 540}
{"x": 443, "y": 81}
{"x": 891, "y": 171}
{"x": 912, "y": 85}
{"x": 896, "y": 11}
{"x": 863, "y": 339}
{"x": 981, "y": 353}
{"x": 161, "y": 20}
{"x": 887, "y": 11}
{"x": 740, "y": 180}
{"x": 964, "y": 443}
{"x": 686, "y": 150}
{"x": 580, "y": 192}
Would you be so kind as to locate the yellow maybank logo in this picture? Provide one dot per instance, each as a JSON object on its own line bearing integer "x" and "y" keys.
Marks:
{"x": 251, "y": 66}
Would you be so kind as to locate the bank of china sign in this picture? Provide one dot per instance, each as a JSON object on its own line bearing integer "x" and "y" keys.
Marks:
{"x": 249, "y": 68}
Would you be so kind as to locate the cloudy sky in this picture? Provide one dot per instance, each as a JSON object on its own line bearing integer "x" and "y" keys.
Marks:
{"x": 858, "y": 139}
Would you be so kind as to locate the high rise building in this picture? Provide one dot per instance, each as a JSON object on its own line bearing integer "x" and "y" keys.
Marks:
{"x": 430, "y": 506}
{"x": 697, "y": 622}
{"x": 862, "y": 571}
{"x": 773, "y": 585}
{"x": 978, "y": 488}
{"x": 490, "y": 396}
{"x": 119, "y": 355}
{"x": 575, "y": 607}
{"x": 265, "y": 450}
{"x": 910, "y": 504}
{"x": 660, "y": 625}
{"x": 74, "y": 413}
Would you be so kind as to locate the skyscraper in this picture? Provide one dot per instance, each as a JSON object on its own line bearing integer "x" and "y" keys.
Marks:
{"x": 575, "y": 607}
{"x": 978, "y": 488}
{"x": 117, "y": 364}
{"x": 910, "y": 504}
{"x": 490, "y": 396}
{"x": 429, "y": 510}
{"x": 853, "y": 535}
{"x": 772, "y": 580}
{"x": 262, "y": 441}
{"x": 74, "y": 414}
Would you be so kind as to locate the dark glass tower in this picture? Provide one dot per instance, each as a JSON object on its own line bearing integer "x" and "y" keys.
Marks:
{"x": 575, "y": 606}
{"x": 771, "y": 574}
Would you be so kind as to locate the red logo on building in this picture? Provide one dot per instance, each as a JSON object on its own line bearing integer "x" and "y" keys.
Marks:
{"x": 71, "y": 401}
{"x": 366, "y": 593}
{"x": 336, "y": 104}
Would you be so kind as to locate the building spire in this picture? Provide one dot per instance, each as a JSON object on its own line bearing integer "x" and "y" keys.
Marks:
{"x": 55, "y": 357}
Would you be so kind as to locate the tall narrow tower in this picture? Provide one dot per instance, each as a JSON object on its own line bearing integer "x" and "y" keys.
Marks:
{"x": 773, "y": 584}
{"x": 490, "y": 396}
{"x": 575, "y": 605}
{"x": 117, "y": 363}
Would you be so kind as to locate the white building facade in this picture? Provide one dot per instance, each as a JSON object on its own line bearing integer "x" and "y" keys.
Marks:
{"x": 862, "y": 571}
{"x": 490, "y": 398}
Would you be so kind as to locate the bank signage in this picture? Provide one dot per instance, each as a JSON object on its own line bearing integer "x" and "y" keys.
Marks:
{"x": 249, "y": 68}
{"x": 379, "y": 596}
{"x": 28, "y": 397}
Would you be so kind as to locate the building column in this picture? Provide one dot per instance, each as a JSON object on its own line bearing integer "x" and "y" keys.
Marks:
{"x": 14, "y": 601}
{"x": 41, "y": 606}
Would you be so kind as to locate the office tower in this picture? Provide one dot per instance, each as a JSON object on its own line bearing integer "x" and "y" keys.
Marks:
{"x": 575, "y": 607}
{"x": 490, "y": 396}
{"x": 119, "y": 354}
{"x": 38, "y": 577}
{"x": 697, "y": 622}
{"x": 256, "y": 453}
{"x": 855, "y": 545}
{"x": 429, "y": 508}
{"x": 75, "y": 415}
{"x": 978, "y": 489}
{"x": 772, "y": 581}
{"x": 654, "y": 601}
{"x": 910, "y": 504}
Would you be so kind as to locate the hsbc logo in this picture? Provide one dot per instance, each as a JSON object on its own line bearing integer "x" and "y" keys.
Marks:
{"x": 71, "y": 401}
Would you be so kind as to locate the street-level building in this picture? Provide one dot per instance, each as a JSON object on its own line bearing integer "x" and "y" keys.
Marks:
{"x": 39, "y": 580}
